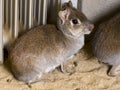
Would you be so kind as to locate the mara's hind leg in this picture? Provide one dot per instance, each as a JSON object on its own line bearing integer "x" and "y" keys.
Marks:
{"x": 38, "y": 78}
{"x": 35, "y": 79}
{"x": 115, "y": 70}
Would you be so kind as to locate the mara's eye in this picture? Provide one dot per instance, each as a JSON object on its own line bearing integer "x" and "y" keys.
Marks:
{"x": 75, "y": 21}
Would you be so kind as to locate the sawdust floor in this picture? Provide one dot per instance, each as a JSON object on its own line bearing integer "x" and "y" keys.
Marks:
{"x": 89, "y": 75}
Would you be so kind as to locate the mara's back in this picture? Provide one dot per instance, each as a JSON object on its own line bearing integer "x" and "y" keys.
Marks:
{"x": 44, "y": 36}
{"x": 106, "y": 41}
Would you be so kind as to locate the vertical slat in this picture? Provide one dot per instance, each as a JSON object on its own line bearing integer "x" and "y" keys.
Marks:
{"x": 25, "y": 14}
{"x": 59, "y": 5}
{"x": 35, "y": 13}
{"x": 2, "y": 12}
{"x": 1, "y": 29}
{"x": 39, "y": 12}
{"x": 30, "y": 13}
{"x": 21, "y": 9}
{"x": 11, "y": 18}
{"x": 21, "y": 15}
{"x": 7, "y": 12}
{"x": 16, "y": 29}
{"x": 34, "y": 8}
{"x": 44, "y": 12}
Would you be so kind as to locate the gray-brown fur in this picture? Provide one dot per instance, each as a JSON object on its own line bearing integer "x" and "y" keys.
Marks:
{"x": 106, "y": 43}
{"x": 46, "y": 47}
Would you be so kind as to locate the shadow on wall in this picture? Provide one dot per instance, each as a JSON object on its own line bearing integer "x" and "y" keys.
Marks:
{"x": 107, "y": 16}
{"x": 98, "y": 11}
{"x": 88, "y": 39}
{"x": 53, "y": 7}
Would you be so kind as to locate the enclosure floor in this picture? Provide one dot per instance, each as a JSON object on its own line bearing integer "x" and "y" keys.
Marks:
{"x": 89, "y": 75}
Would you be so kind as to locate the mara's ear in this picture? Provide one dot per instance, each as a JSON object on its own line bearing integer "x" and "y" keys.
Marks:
{"x": 67, "y": 4}
{"x": 64, "y": 15}
{"x": 70, "y": 3}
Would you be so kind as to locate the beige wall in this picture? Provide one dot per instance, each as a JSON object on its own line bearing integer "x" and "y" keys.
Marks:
{"x": 95, "y": 9}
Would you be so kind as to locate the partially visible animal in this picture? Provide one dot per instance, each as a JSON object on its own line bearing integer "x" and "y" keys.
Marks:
{"x": 106, "y": 44}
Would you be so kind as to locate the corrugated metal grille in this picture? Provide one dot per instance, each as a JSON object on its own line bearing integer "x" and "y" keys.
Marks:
{"x": 18, "y": 15}
{"x": 23, "y": 14}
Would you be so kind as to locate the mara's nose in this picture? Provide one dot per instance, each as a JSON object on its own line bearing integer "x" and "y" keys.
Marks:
{"x": 90, "y": 26}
